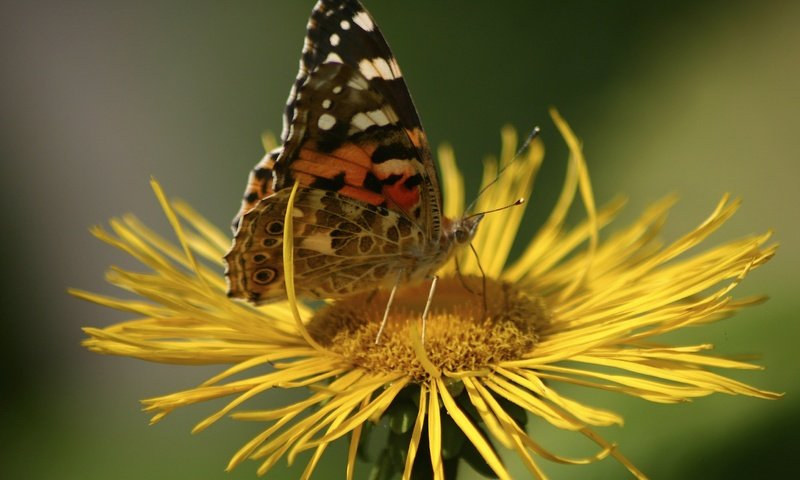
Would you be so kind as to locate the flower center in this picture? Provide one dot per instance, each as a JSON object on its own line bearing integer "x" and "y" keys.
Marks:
{"x": 462, "y": 332}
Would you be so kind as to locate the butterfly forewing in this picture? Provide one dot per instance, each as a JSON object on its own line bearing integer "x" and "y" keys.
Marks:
{"x": 343, "y": 32}
{"x": 350, "y": 93}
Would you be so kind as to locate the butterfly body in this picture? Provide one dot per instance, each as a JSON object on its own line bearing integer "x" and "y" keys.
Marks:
{"x": 368, "y": 209}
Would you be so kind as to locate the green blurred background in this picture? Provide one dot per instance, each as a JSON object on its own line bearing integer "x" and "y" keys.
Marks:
{"x": 697, "y": 98}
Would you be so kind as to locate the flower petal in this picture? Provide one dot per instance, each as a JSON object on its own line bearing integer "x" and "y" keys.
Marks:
{"x": 472, "y": 433}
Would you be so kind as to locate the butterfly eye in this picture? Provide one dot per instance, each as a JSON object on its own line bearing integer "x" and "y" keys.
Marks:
{"x": 462, "y": 235}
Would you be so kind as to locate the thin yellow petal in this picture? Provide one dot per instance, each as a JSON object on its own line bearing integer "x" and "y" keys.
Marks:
{"x": 312, "y": 464}
{"x": 467, "y": 262}
{"x": 585, "y": 187}
{"x": 288, "y": 267}
{"x": 514, "y": 183}
{"x": 492, "y": 423}
{"x": 512, "y": 392}
{"x": 352, "y": 449}
{"x": 176, "y": 225}
{"x": 380, "y": 404}
{"x": 435, "y": 431}
{"x": 615, "y": 453}
{"x": 530, "y": 380}
{"x": 416, "y": 434}
{"x": 206, "y": 229}
{"x": 452, "y": 182}
{"x": 509, "y": 427}
{"x": 253, "y": 391}
{"x": 132, "y": 224}
{"x": 472, "y": 433}
{"x": 419, "y": 350}
{"x": 521, "y": 438}
{"x": 337, "y": 408}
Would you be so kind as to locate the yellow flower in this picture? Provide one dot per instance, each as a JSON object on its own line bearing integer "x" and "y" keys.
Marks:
{"x": 503, "y": 334}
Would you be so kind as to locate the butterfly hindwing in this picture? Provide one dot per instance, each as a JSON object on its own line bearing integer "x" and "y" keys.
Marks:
{"x": 330, "y": 231}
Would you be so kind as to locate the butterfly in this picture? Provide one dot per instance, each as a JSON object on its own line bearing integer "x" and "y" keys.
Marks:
{"x": 368, "y": 211}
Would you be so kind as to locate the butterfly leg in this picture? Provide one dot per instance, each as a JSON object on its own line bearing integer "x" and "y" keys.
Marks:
{"x": 434, "y": 281}
{"x": 372, "y": 294}
{"x": 388, "y": 306}
{"x": 461, "y": 278}
{"x": 483, "y": 278}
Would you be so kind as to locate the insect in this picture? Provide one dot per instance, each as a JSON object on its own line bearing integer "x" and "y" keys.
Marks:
{"x": 368, "y": 211}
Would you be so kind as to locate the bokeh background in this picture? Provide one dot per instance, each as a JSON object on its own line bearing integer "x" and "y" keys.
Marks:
{"x": 696, "y": 98}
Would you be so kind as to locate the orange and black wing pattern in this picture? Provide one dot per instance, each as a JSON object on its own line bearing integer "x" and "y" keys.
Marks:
{"x": 350, "y": 125}
{"x": 351, "y": 130}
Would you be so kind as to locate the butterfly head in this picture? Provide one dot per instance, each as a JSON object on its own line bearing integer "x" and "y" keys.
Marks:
{"x": 463, "y": 230}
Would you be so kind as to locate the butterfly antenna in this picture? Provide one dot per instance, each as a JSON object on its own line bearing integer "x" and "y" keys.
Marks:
{"x": 534, "y": 133}
{"x": 518, "y": 201}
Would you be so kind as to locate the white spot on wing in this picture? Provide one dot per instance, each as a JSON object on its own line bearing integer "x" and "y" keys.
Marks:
{"x": 383, "y": 68}
{"x": 334, "y": 39}
{"x": 394, "y": 165}
{"x": 393, "y": 118}
{"x": 326, "y": 121}
{"x": 378, "y": 117}
{"x": 337, "y": 89}
{"x": 318, "y": 243}
{"x": 357, "y": 83}
{"x": 333, "y": 58}
{"x": 367, "y": 69}
{"x": 379, "y": 68}
{"x": 326, "y": 104}
{"x": 395, "y": 68}
{"x": 345, "y": 25}
{"x": 361, "y": 121}
{"x": 362, "y": 20}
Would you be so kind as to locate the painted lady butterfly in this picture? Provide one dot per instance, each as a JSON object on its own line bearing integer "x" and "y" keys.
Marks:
{"x": 368, "y": 212}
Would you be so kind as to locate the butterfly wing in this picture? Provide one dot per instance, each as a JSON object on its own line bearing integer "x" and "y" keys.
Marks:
{"x": 340, "y": 245}
{"x": 351, "y": 130}
{"x": 350, "y": 124}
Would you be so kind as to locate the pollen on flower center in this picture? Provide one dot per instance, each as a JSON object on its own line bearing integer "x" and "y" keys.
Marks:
{"x": 462, "y": 332}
